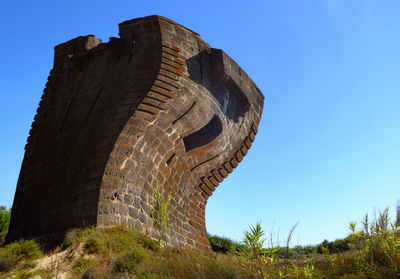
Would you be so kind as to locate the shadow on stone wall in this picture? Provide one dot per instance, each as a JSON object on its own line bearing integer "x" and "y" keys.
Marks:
{"x": 207, "y": 69}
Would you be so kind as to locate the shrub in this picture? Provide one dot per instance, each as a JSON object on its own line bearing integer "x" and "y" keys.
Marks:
{"x": 129, "y": 262}
{"x": 119, "y": 239}
{"x": 76, "y": 236}
{"x": 225, "y": 245}
{"x": 80, "y": 264}
{"x": 378, "y": 242}
{"x": 5, "y": 216}
{"x": 6, "y": 264}
{"x": 148, "y": 243}
{"x": 91, "y": 273}
{"x": 21, "y": 250}
{"x": 336, "y": 246}
{"x": 94, "y": 245}
{"x": 98, "y": 270}
{"x": 28, "y": 264}
{"x": 47, "y": 273}
{"x": 23, "y": 274}
{"x": 2, "y": 237}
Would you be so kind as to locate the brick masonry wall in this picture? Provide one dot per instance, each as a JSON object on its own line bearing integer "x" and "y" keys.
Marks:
{"x": 155, "y": 106}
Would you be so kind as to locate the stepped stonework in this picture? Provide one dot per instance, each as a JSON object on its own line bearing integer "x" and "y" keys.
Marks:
{"x": 155, "y": 106}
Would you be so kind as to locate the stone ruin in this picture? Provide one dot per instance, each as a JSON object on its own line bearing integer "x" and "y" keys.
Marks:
{"x": 156, "y": 106}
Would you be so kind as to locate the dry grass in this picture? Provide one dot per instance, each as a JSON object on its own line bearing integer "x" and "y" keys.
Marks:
{"x": 119, "y": 252}
{"x": 125, "y": 253}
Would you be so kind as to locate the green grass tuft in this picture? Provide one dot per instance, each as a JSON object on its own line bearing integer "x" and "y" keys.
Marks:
{"x": 80, "y": 264}
{"x": 20, "y": 253}
{"x": 130, "y": 262}
{"x": 6, "y": 264}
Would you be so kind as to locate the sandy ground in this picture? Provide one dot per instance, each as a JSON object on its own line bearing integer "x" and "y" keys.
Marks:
{"x": 59, "y": 262}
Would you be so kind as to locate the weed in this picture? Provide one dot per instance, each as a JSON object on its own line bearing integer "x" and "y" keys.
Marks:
{"x": 130, "y": 262}
{"x": 148, "y": 243}
{"x": 45, "y": 273}
{"x": 90, "y": 273}
{"x": 94, "y": 245}
{"x": 379, "y": 244}
{"x": 24, "y": 274}
{"x": 6, "y": 264}
{"x": 28, "y": 264}
{"x": 159, "y": 213}
{"x": 3, "y": 235}
{"x": 75, "y": 236}
{"x": 5, "y": 216}
{"x": 22, "y": 250}
{"x": 302, "y": 271}
{"x": 80, "y": 264}
{"x": 119, "y": 252}
{"x": 254, "y": 241}
{"x": 19, "y": 253}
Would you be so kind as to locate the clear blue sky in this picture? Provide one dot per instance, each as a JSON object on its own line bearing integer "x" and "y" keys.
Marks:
{"x": 328, "y": 148}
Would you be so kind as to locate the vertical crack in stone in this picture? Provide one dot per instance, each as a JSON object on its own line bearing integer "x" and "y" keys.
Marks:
{"x": 66, "y": 114}
{"x": 132, "y": 47}
{"x": 94, "y": 103}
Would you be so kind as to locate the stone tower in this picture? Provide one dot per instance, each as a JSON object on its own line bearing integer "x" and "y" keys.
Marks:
{"x": 156, "y": 106}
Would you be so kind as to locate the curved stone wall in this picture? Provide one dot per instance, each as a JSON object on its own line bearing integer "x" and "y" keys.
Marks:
{"x": 156, "y": 106}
